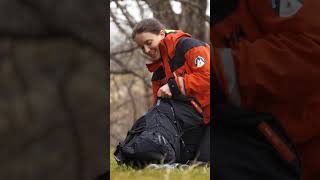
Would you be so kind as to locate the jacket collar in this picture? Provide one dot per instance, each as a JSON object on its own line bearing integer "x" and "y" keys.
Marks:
{"x": 169, "y": 43}
{"x": 168, "y": 46}
{"x": 152, "y": 67}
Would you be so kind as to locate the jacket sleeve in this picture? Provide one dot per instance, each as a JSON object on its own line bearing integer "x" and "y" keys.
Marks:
{"x": 196, "y": 82}
{"x": 284, "y": 66}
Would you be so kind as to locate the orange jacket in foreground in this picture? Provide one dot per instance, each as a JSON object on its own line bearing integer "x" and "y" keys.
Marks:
{"x": 185, "y": 66}
{"x": 267, "y": 57}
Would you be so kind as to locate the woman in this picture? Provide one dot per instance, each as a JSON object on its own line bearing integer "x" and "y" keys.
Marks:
{"x": 180, "y": 64}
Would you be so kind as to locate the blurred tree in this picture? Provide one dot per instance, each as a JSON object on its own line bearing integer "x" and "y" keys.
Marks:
{"x": 53, "y": 89}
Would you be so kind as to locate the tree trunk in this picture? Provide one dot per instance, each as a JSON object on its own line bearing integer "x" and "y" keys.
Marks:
{"x": 163, "y": 12}
{"x": 193, "y": 20}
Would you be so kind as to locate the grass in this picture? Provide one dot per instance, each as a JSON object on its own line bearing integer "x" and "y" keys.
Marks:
{"x": 124, "y": 172}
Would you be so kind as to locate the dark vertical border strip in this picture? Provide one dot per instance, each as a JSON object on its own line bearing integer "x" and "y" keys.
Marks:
{"x": 107, "y": 83}
{"x": 212, "y": 109}
{"x": 211, "y": 93}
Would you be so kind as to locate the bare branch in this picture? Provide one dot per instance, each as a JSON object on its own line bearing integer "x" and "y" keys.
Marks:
{"x": 133, "y": 104}
{"x": 116, "y": 22}
{"x": 196, "y": 15}
{"x": 24, "y": 83}
{"x": 72, "y": 120}
{"x": 122, "y": 72}
{"x": 190, "y": 3}
{"x": 197, "y": 6}
{"x": 53, "y": 26}
{"x": 125, "y": 68}
{"x": 141, "y": 10}
{"x": 130, "y": 50}
{"x": 122, "y": 104}
{"x": 115, "y": 83}
{"x": 162, "y": 10}
{"x": 123, "y": 9}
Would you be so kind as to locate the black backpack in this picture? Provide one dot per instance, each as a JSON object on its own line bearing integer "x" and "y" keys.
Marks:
{"x": 156, "y": 137}
{"x": 249, "y": 145}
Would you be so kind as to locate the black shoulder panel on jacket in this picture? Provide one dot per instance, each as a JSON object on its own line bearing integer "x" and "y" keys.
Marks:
{"x": 183, "y": 46}
{"x": 158, "y": 74}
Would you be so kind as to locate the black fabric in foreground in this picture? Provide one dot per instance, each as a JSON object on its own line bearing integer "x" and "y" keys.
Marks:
{"x": 103, "y": 176}
{"x": 240, "y": 151}
{"x": 220, "y": 9}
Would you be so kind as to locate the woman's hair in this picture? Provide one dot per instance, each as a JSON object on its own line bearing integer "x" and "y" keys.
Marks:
{"x": 150, "y": 25}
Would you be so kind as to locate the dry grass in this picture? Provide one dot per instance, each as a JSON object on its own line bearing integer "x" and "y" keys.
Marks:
{"x": 127, "y": 173}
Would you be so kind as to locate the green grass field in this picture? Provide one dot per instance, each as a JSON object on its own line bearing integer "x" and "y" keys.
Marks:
{"x": 124, "y": 173}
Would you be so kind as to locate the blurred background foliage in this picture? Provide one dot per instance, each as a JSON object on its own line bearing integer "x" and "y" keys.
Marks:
{"x": 53, "y": 72}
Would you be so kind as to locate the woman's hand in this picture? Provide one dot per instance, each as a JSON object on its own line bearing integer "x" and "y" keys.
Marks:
{"x": 164, "y": 92}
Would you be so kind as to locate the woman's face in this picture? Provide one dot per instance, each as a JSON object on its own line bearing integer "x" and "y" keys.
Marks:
{"x": 149, "y": 44}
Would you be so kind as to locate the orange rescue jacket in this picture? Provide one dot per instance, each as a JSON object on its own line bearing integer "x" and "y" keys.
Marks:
{"x": 267, "y": 57}
{"x": 185, "y": 66}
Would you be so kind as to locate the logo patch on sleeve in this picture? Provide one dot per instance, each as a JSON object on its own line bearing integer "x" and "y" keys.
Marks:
{"x": 286, "y": 8}
{"x": 199, "y": 61}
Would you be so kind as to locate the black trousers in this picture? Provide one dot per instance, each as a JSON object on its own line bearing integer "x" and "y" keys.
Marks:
{"x": 197, "y": 144}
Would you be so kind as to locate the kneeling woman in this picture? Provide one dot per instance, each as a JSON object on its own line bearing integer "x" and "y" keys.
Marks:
{"x": 180, "y": 65}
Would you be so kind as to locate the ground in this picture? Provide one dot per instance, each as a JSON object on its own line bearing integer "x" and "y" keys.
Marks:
{"x": 124, "y": 173}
